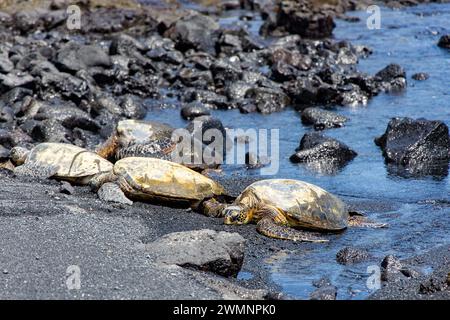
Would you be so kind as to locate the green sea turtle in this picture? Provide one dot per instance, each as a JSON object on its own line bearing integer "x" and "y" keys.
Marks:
{"x": 138, "y": 138}
{"x": 59, "y": 160}
{"x": 282, "y": 208}
{"x": 156, "y": 180}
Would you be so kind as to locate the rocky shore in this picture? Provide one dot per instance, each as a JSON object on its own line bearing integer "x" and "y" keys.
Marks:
{"x": 70, "y": 83}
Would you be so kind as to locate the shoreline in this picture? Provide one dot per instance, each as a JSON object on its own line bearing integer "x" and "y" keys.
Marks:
{"x": 45, "y": 231}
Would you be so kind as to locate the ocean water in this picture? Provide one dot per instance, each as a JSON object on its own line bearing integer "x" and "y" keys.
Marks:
{"x": 417, "y": 209}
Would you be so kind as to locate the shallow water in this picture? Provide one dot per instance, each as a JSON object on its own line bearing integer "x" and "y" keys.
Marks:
{"x": 417, "y": 209}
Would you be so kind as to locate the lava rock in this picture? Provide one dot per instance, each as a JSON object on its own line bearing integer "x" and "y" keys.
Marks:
{"x": 247, "y": 106}
{"x": 66, "y": 188}
{"x": 5, "y": 64}
{"x": 421, "y": 76}
{"x": 392, "y": 77}
{"x": 444, "y": 41}
{"x": 391, "y": 72}
{"x": 210, "y": 99}
{"x": 6, "y": 114}
{"x": 195, "y": 31}
{"x": 15, "y": 79}
{"x": 350, "y": 255}
{"x": 390, "y": 268}
{"x": 207, "y": 250}
{"x": 317, "y": 149}
{"x": 324, "y": 293}
{"x": 15, "y": 94}
{"x": 56, "y": 109}
{"x": 322, "y": 282}
{"x": 65, "y": 84}
{"x": 14, "y": 137}
{"x": 224, "y": 72}
{"x": 125, "y": 45}
{"x": 194, "y": 110}
{"x": 432, "y": 285}
{"x": 195, "y": 78}
{"x": 291, "y": 57}
{"x": 282, "y": 72}
{"x": 254, "y": 161}
{"x": 322, "y": 119}
{"x": 268, "y": 100}
{"x": 304, "y": 91}
{"x": 74, "y": 57}
{"x": 298, "y": 17}
{"x": 4, "y": 153}
{"x": 50, "y": 130}
{"x": 421, "y": 146}
{"x": 199, "y": 129}
{"x": 229, "y": 44}
{"x": 110, "y": 192}
{"x": 202, "y": 124}
{"x": 132, "y": 107}
{"x": 236, "y": 91}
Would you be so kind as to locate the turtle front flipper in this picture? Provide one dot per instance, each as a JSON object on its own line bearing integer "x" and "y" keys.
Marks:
{"x": 273, "y": 223}
{"x": 212, "y": 208}
{"x": 98, "y": 180}
{"x": 270, "y": 228}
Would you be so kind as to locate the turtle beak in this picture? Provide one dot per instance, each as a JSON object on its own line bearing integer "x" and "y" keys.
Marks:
{"x": 233, "y": 215}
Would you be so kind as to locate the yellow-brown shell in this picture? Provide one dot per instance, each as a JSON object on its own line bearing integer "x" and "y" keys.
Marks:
{"x": 70, "y": 162}
{"x": 163, "y": 179}
{"x": 304, "y": 205}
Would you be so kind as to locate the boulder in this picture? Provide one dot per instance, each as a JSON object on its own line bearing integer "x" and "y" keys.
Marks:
{"x": 350, "y": 255}
{"x": 392, "y": 77}
{"x": 195, "y": 31}
{"x": 322, "y": 119}
{"x": 421, "y": 76}
{"x": 110, "y": 192}
{"x": 444, "y": 41}
{"x": 74, "y": 57}
{"x": 205, "y": 123}
{"x": 390, "y": 268}
{"x": 206, "y": 250}
{"x": 421, "y": 146}
{"x": 193, "y": 110}
{"x": 66, "y": 188}
{"x": 298, "y": 17}
{"x": 325, "y": 290}
{"x": 15, "y": 79}
{"x": 4, "y": 153}
{"x": 268, "y": 100}
{"x": 50, "y": 130}
{"x": 327, "y": 153}
{"x": 5, "y": 64}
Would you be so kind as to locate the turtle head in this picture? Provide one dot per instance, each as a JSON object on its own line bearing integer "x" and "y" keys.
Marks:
{"x": 236, "y": 215}
{"x": 18, "y": 155}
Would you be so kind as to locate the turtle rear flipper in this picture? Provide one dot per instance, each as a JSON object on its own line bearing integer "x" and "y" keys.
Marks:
{"x": 37, "y": 171}
{"x": 363, "y": 222}
{"x": 270, "y": 228}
